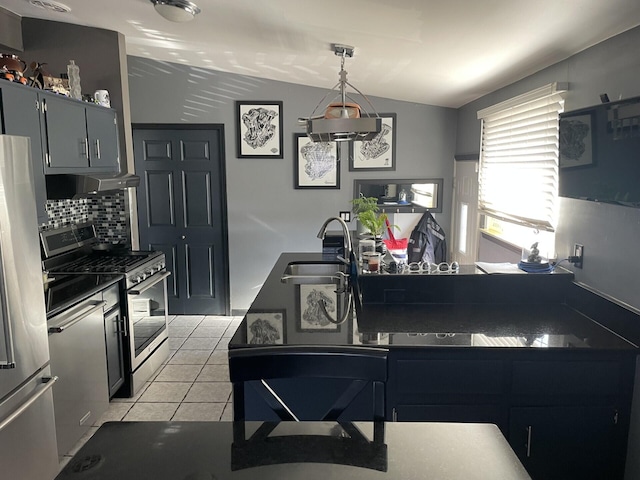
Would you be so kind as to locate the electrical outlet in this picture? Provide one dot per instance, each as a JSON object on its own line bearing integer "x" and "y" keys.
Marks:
{"x": 578, "y": 253}
{"x": 346, "y": 216}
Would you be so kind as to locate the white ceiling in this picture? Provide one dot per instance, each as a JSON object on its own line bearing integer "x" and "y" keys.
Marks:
{"x": 438, "y": 52}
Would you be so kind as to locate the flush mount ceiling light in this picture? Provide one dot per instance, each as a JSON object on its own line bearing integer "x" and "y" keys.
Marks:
{"x": 342, "y": 120}
{"x": 176, "y": 10}
{"x": 53, "y": 6}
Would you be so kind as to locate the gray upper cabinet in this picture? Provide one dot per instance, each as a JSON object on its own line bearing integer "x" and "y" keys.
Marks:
{"x": 102, "y": 132}
{"x": 66, "y": 134}
{"x": 80, "y": 137}
{"x": 21, "y": 113}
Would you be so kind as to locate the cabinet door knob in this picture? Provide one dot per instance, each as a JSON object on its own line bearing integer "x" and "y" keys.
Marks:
{"x": 183, "y": 237}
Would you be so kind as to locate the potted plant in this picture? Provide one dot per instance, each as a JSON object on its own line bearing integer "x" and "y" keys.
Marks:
{"x": 366, "y": 211}
{"x": 373, "y": 223}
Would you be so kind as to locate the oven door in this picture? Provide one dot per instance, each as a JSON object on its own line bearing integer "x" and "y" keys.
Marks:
{"x": 147, "y": 312}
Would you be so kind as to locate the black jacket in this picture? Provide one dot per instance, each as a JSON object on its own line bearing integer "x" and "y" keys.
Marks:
{"x": 427, "y": 242}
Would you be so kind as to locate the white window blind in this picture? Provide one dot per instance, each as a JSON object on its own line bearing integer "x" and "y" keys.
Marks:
{"x": 519, "y": 158}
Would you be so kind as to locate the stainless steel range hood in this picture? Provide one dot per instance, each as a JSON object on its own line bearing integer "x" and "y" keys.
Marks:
{"x": 65, "y": 186}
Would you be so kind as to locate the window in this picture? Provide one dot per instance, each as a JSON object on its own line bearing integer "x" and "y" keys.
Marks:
{"x": 519, "y": 159}
{"x": 462, "y": 227}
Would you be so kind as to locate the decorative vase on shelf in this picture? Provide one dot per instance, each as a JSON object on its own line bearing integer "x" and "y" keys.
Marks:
{"x": 74, "y": 80}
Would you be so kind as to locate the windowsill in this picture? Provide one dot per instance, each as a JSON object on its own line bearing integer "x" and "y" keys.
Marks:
{"x": 498, "y": 239}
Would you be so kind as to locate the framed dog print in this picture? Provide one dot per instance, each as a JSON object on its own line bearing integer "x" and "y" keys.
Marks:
{"x": 316, "y": 164}
{"x": 266, "y": 328}
{"x": 378, "y": 153}
{"x": 311, "y": 315}
{"x": 259, "y": 129}
{"x": 577, "y": 141}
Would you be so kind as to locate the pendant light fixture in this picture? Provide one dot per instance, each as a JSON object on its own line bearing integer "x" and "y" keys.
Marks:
{"x": 176, "y": 10}
{"x": 342, "y": 120}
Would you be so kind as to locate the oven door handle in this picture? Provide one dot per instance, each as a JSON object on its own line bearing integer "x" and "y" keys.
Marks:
{"x": 81, "y": 316}
{"x": 147, "y": 284}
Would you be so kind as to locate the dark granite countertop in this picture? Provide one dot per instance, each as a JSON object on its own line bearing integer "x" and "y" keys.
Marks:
{"x": 464, "y": 319}
{"x": 295, "y": 450}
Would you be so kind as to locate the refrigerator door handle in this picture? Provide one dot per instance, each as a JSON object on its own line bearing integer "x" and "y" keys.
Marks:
{"x": 47, "y": 384}
{"x": 10, "y": 360}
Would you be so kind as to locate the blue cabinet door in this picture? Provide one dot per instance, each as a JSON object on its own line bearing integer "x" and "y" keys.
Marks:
{"x": 564, "y": 443}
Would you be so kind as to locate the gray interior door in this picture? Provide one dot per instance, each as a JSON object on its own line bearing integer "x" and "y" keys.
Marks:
{"x": 182, "y": 211}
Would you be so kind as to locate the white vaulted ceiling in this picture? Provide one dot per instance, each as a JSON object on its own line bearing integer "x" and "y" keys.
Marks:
{"x": 438, "y": 52}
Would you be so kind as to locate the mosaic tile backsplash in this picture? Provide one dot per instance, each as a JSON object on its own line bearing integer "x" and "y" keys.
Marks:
{"x": 109, "y": 214}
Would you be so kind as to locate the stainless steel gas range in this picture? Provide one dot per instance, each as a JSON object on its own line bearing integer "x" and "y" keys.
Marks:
{"x": 75, "y": 250}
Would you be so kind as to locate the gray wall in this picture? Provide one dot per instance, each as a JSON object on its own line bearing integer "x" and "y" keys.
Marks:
{"x": 98, "y": 53}
{"x": 609, "y": 233}
{"x": 266, "y": 214}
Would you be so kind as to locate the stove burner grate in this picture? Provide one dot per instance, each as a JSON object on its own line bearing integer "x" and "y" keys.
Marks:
{"x": 102, "y": 264}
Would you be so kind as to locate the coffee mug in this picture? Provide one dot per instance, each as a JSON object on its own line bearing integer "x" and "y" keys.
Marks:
{"x": 102, "y": 98}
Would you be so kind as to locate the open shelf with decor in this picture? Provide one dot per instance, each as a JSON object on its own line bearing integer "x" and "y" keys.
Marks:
{"x": 414, "y": 195}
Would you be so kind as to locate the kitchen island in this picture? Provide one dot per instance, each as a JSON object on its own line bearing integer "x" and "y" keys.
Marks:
{"x": 502, "y": 349}
{"x": 309, "y": 451}
{"x": 469, "y": 308}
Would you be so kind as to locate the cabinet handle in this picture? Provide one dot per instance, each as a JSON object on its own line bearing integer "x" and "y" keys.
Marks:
{"x": 394, "y": 414}
{"x": 528, "y": 445}
{"x": 85, "y": 147}
{"x": 120, "y": 327}
{"x": 98, "y": 147}
{"x": 81, "y": 316}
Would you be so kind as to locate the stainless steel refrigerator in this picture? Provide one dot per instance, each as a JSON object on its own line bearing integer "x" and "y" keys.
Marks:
{"x": 28, "y": 447}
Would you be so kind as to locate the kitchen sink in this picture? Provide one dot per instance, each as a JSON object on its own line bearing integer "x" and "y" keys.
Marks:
{"x": 314, "y": 273}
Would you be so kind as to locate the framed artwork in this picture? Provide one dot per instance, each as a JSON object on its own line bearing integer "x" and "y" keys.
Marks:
{"x": 259, "y": 129}
{"x": 266, "y": 328}
{"x": 316, "y": 164}
{"x": 379, "y": 153}
{"x": 576, "y": 144}
{"x": 312, "y": 319}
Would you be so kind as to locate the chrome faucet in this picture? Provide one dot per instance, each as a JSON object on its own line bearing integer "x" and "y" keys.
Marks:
{"x": 348, "y": 258}
{"x": 346, "y": 239}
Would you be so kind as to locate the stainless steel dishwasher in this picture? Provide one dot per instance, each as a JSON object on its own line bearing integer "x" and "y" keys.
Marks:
{"x": 78, "y": 356}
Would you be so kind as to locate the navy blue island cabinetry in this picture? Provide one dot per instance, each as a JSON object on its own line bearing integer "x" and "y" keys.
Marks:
{"x": 512, "y": 350}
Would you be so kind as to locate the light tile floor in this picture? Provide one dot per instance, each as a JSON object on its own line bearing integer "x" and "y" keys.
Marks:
{"x": 193, "y": 385}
